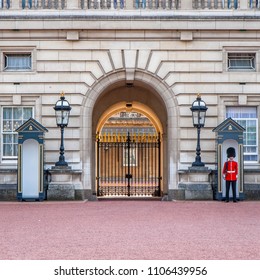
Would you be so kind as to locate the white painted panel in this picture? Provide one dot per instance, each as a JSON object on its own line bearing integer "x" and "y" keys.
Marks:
{"x": 30, "y": 169}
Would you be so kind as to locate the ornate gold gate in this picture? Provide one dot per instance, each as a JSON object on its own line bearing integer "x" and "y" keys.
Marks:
{"x": 128, "y": 165}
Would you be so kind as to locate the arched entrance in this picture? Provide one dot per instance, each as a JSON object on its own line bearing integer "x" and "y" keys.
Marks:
{"x": 129, "y": 151}
{"x": 148, "y": 90}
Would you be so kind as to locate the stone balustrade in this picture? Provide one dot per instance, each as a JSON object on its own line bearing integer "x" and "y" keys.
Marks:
{"x": 130, "y": 4}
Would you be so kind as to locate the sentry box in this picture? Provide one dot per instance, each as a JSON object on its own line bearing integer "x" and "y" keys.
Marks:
{"x": 229, "y": 134}
{"x": 30, "y": 183}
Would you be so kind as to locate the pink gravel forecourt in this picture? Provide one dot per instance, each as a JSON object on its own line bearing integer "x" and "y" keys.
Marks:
{"x": 118, "y": 230}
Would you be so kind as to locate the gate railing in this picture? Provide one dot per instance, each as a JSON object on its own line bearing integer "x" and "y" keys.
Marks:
{"x": 128, "y": 165}
{"x": 130, "y": 4}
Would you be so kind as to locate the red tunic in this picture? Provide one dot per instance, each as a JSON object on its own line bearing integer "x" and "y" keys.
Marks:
{"x": 230, "y": 170}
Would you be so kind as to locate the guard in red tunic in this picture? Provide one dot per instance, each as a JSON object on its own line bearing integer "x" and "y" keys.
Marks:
{"x": 230, "y": 172}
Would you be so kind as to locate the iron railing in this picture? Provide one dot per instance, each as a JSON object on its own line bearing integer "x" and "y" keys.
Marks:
{"x": 130, "y": 4}
{"x": 128, "y": 165}
{"x": 215, "y": 4}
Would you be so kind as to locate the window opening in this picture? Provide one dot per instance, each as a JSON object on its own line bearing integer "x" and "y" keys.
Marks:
{"x": 13, "y": 117}
{"x": 241, "y": 61}
{"x": 17, "y": 62}
{"x": 247, "y": 118}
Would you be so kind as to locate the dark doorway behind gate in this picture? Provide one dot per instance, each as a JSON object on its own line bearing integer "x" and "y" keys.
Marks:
{"x": 128, "y": 157}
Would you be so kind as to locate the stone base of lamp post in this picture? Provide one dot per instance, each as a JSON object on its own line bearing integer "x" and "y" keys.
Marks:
{"x": 195, "y": 183}
{"x": 198, "y": 168}
{"x": 66, "y": 184}
{"x": 61, "y": 167}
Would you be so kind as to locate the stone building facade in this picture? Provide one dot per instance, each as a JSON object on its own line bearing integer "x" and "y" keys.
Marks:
{"x": 154, "y": 55}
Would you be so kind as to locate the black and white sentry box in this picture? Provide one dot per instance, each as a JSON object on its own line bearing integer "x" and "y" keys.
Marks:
{"x": 30, "y": 183}
{"x": 229, "y": 134}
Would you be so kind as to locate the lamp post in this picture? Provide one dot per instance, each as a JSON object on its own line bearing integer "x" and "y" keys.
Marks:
{"x": 62, "y": 111}
{"x": 198, "y": 110}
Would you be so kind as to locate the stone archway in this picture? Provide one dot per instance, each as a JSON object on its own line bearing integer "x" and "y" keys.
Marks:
{"x": 146, "y": 90}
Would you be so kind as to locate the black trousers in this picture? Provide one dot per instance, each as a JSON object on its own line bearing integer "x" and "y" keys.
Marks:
{"x": 233, "y": 184}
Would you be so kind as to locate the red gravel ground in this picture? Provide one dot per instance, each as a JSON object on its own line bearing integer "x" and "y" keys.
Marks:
{"x": 145, "y": 230}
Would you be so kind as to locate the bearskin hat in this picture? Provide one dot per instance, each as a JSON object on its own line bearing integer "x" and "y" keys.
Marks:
{"x": 231, "y": 152}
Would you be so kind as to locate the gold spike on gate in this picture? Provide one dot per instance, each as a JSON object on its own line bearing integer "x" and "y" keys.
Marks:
{"x": 139, "y": 137}
{"x": 109, "y": 137}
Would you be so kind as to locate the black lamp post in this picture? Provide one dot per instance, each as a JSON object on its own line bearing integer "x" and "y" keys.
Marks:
{"x": 62, "y": 111}
{"x": 198, "y": 109}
